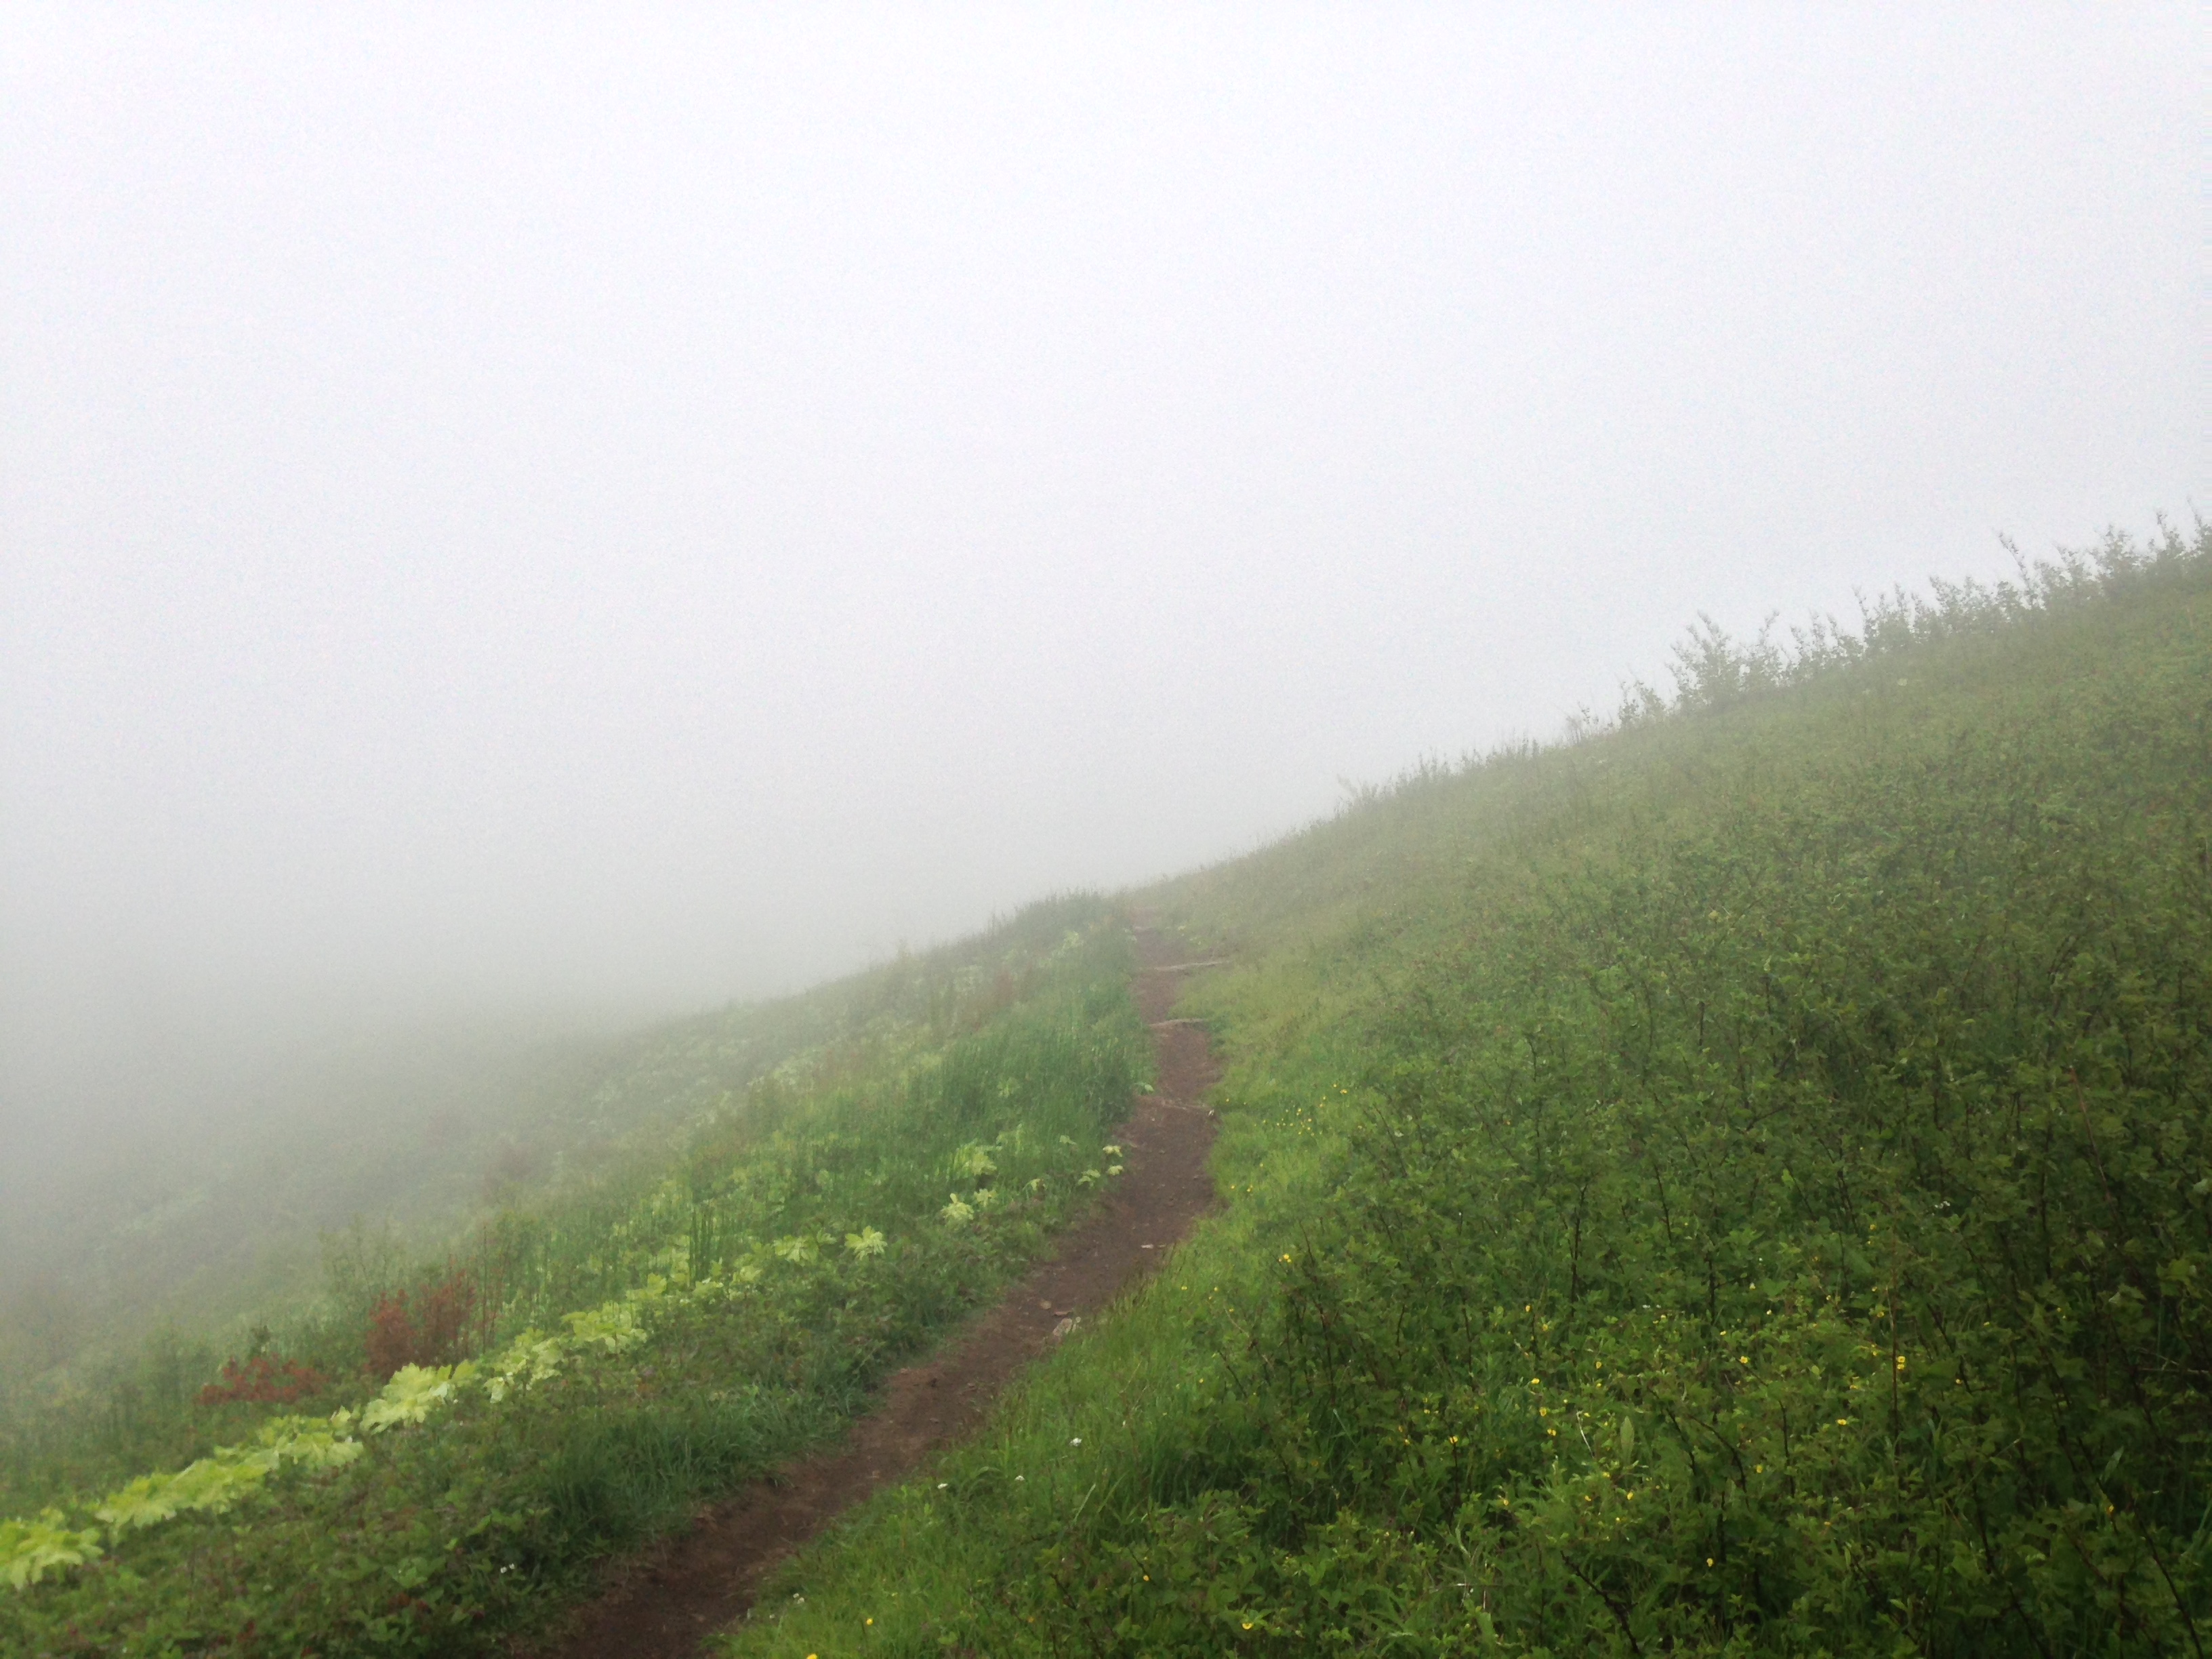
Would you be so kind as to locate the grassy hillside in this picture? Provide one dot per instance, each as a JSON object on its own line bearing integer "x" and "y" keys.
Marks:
{"x": 433, "y": 1456}
{"x": 421, "y": 1128}
{"x": 1738, "y": 1182}
{"x": 391, "y": 1155}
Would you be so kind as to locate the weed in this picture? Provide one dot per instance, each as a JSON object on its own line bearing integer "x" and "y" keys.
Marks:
{"x": 1732, "y": 1183}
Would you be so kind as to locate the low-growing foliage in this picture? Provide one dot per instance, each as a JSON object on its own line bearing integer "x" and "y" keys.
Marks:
{"x": 433, "y": 1327}
{"x": 1738, "y": 1184}
{"x": 648, "y": 1343}
{"x": 262, "y": 1380}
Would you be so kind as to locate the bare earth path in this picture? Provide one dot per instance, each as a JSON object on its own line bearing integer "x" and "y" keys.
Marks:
{"x": 706, "y": 1578}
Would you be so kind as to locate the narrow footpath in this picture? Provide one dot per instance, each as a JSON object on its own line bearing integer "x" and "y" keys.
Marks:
{"x": 673, "y": 1598}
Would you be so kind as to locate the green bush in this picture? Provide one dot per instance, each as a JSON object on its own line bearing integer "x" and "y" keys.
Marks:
{"x": 1741, "y": 1184}
{"x": 655, "y": 1344}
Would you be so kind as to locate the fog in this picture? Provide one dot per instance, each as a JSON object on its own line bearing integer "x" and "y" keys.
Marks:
{"x": 559, "y": 517}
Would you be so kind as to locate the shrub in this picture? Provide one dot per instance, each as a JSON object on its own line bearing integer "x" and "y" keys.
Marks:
{"x": 263, "y": 1379}
{"x": 434, "y": 1327}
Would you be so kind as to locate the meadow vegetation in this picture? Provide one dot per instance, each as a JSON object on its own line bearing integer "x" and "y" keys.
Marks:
{"x": 1736, "y": 1182}
{"x": 434, "y": 1455}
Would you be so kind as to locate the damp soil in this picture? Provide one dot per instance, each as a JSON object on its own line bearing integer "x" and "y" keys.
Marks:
{"x": 666, "y": 1602}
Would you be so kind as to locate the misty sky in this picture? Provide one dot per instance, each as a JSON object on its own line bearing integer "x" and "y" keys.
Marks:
{"x": 639, "y": 508}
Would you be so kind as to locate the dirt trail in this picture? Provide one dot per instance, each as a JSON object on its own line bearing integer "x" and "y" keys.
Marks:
{"x": 671, "y": 1599}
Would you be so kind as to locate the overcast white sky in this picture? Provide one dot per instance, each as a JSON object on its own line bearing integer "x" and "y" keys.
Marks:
{"x": 654, "y": 507}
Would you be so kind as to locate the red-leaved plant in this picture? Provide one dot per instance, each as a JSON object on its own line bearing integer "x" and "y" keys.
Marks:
{"x": 432, "y": 1327}
{"x": 263, "y": 1379}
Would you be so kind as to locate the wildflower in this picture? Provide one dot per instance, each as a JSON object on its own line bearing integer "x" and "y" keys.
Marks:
{"x": 1077, "y": 1441}
{"x": 957, "y": 1212}
{"x": 864, "y": 1243}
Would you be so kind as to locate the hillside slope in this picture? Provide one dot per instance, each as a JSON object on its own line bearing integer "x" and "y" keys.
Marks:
{"x": 1741, "y": 1182}
{"x": 440, "y": 1456}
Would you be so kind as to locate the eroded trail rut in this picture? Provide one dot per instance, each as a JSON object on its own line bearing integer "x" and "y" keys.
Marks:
{"x": 702, "y": 1580}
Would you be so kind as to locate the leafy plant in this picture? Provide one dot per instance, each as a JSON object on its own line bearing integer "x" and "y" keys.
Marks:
{"x": 265, "y": 1379}
{"x": 1735, "y": 1183}
{"x": 656, "y": 1339}
{"x": 31, "y": 1549}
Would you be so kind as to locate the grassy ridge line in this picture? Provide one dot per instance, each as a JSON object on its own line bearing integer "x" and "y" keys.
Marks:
{"x": 423, "y": 1132}
{"x": 656, "y": 1100}
{"x": 808, "y": 1243}
{"x": 1740, "y": 1185}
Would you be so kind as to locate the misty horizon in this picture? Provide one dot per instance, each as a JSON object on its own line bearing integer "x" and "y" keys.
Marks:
{"x": 517, "y": 525}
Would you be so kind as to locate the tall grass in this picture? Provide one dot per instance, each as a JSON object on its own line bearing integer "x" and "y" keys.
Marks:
{"x": 632, "y": 1116}
{"x": 801, "y": 1239}
{"x": 1733, "y": 1183}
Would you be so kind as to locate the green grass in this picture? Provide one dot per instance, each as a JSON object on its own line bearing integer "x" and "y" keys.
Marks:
{"x": 1739, "y": 1183}
{"x": 619, "y": 1122}
{"x": 641, "y": 1343}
